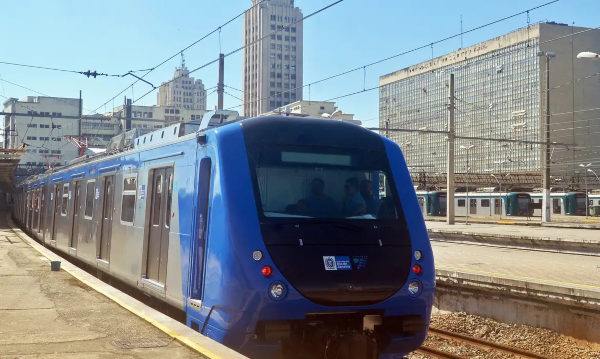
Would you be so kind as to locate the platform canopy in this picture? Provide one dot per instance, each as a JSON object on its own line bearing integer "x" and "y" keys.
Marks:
{"x": 9, "y": 160}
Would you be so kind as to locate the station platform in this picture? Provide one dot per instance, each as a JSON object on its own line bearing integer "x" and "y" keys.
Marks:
{"x": 565, "y": 240}
{"x": 560, "y": 222}
{"x": 71, "y": 314}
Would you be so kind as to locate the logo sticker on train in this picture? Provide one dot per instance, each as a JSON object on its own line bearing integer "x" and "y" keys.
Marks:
{"x": 359, "y": 261}
{"x": 337, "y": 263}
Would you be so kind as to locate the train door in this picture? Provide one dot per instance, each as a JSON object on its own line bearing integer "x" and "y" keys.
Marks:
{"x": 107, "y": 217}
{"x": 556, "y": 206}
{"x": 40, "y": 210}
{"x": 159, "y": 224}
{"x": 75, "y": 217}
{"x": 34, "y": 210}
{"x": 473, "y": 206}
{"x": 497, "y": 206}
{"x": 29, "y": 210}
{"x": 202, "y": 217}
{"x": 35, "y": 226}
{"x": 55, "y": 212}
{"x": 422, "y": 204}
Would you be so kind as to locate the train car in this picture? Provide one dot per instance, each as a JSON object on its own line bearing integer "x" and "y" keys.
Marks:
{"x": 432, "y": 203}
{"x": 565, "y": 204}
{"x": 275, "y": 236}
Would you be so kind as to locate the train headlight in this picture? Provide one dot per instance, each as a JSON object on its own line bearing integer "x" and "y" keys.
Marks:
{"x": 414, "y": 288}
{"x": 277, "y": 291}
{"x": 418, "y": 255}
{"x": 257, "y": 255}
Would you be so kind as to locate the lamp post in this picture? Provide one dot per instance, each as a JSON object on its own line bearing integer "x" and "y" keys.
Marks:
{"x": 586, "y": 187}
{"x": 591, "y": 170}
{"x": 588, "y": 55}
{"x": 467, "y": 148}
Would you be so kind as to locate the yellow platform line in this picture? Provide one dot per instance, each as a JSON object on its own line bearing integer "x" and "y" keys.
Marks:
{"x": 494, "y": 274}
{"x": 174, "y": 334}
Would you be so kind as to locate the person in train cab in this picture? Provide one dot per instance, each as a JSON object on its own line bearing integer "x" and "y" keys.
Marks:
{"x": 320, "y": 204}
{"x": 353, "y": 203}
{"x": 371, "y": 203}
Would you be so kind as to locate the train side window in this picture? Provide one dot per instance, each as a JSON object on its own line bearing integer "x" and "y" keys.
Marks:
{"x": 485, "y": 203}
{"x": 128, "y": 202}
{"x": 89, "y": 199}
{"x": 65, "y": 200}
{"x": 169, "y": 199}
{"x": 461, "y": 202}
{"x": 158, "y": 188}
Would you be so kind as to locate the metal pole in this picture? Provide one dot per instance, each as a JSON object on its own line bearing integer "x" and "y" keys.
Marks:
{"x": 586, "y": 195}
{"x": 80, "y": 114}
{"x": 500, "y": 198}
{"x": 221, "y": 79}
{"x": 546, "y": 191}
{"x": 450, "y": 161}
{"x": 468, "y": 202}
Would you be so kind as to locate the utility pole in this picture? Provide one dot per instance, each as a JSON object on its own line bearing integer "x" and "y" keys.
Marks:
{"x": 546, "y": 181}
{"x": 80, "y": 114}
{"x": 127, "y": 114}
{"x": 450, "y": 163}
{"x": 221, "y": 79}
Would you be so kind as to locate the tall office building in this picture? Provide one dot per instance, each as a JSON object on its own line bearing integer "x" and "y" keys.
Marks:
{"x": 272, "y": 67}
{"x": 500, "y": 91}
{"x": 183, "y": 92}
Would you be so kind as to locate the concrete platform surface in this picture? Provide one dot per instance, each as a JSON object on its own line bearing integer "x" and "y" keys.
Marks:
{"x": 578, "y": 234}
{"x": 561, "y": 222}
{"x": 559, "y": 269}
{"x": 70, "y": 314}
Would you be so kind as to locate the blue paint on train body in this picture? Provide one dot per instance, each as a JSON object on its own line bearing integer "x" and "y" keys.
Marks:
{"x": 232, "y": 302}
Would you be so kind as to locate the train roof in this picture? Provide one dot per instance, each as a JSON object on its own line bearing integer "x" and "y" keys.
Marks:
{"x": 276, "y": 129}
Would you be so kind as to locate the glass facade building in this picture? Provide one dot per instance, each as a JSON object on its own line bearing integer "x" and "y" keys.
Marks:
{"x": 497, "y": 95}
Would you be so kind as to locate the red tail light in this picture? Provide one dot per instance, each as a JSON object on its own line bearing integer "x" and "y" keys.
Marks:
{"x": 267, "y": 271}
{"x": 417, "y": 269}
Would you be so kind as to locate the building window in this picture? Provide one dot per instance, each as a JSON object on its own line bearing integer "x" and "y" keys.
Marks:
{"x": 287, "y": 38}
{"x": 286, "y": 57}
{"x": 293, "y": 85}
{"x": 272, "y": 27}
{"x": 56, "y": 126}
{"x": 166, "y": 110}
{"x": 272, "y": 93}
{"x": 278, "y": 75}
{"x": 294, "y": 49}
{"x": 278, "y": 37}
{"x": 272, "y": 103}
{"x": 279, "y": 84}
{"x": 293, "y": 38}
{"x": 32, "y": 138}
{"x": 272, "y": 46}
{"x": 272, "y": 83}
{"x": 176, "y": 111}
{"x": 33, "y": 125}
{"x": 56, "y": 152}
{"x": 286, "y": 95}
{"x": 293, "y": 67}
{"x": 273, "y": 18}
{"x": 293, "y": 76}
{"x": 293, "y": 95}
{"x": 57, "y": 139}
{"x": 286, "y": 85}
{"x": 293, "y": 29}
{"x": 273, "y": 37}
{"x": 272, "y": 75}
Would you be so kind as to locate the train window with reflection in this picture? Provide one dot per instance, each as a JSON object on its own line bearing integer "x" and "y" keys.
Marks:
{"x": 89, "y": 199}
{"x": 65, "y": 200}
{"x": 128, "y": 202}
{"x": 325, "y": 183}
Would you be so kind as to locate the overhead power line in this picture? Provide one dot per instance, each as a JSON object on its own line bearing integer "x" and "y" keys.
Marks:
{"x": 148, "y": 71}
{"x": 363, "y": 67}
{"x": 252, "y": 43}
{"x": 87, "y": 73}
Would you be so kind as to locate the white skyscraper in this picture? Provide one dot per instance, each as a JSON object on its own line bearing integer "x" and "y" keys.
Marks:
{"x": 184, "y": 92}
{"x": 273, "y": 66}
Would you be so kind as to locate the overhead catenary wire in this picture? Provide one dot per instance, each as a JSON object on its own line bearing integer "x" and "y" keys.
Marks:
{"x": 363, "y": 67}
{"x": 148, "y": 71}
{"x": 87, "y": 73}
{"x": 260, "y": 39}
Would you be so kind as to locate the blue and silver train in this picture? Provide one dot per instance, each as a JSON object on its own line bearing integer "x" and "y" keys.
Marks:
{"x": 275, "y": 236}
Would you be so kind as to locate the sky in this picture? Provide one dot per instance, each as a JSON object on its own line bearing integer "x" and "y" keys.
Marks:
{"x": 115, "y": 37}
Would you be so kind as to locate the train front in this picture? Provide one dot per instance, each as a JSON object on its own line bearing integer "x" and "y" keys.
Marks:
{"x": 346, "y": 267}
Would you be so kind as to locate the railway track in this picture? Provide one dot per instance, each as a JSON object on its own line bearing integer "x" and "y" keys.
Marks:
{"x": 474, "y": 342}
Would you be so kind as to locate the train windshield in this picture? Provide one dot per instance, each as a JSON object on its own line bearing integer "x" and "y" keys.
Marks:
{"x": 442, "y": 199}
{"x": 581, "y": 202}
{"x": 323, "y": 183}
{"x": 523, "y": 202}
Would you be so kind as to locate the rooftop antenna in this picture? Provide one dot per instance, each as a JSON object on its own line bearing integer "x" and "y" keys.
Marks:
{"x": 461, "y": 32}
{"x": 183, "y": 59}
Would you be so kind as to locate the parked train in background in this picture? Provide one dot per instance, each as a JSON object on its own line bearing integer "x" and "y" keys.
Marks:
{"x": 511, "y": 204}
{"x": 275, "y": 236}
